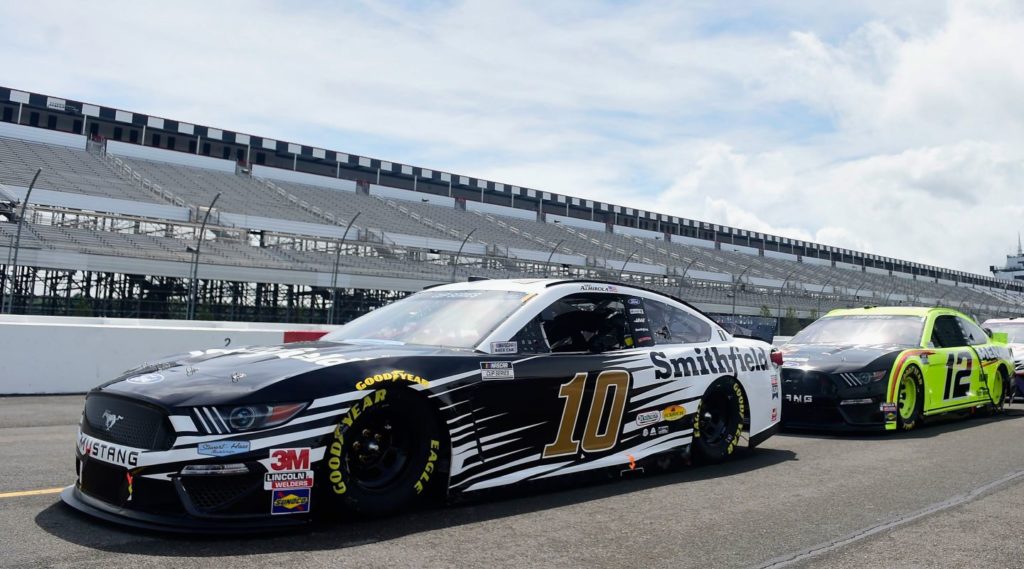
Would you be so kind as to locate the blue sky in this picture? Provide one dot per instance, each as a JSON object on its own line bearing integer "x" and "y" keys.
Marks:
{"x": 893, "y": 128}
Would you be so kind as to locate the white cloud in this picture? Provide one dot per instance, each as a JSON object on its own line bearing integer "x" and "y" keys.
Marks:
{"x": 890, "y": 127}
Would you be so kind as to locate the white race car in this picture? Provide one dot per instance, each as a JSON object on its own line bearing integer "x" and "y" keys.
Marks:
{"x": 1014, "y": 330}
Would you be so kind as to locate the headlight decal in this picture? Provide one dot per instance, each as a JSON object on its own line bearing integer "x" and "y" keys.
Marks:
{"x": 857, "y": 379}
{"x": 244, "y": 418}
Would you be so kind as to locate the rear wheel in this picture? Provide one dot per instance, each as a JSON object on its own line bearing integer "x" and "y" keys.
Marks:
{"x": 386, "y": 453}
{"x": 909, "y": 399}
{"x": 998, "y": 389}
{"x": 718, "y": 424}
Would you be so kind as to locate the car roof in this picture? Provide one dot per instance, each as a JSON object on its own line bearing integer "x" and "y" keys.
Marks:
{"x": 921, "y": 311}
{"x": 517, "y": 285}
{"x": 539, "y": 286}
{"x": 1014, "y": 320}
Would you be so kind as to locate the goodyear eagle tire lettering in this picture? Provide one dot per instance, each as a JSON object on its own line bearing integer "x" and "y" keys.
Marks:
{"x": 386, "y": 452}
{"x": 718, "y": 423}
{"x": 909, "y": 398}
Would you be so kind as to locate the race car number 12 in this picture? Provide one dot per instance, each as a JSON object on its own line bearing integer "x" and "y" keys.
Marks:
{"x": 958, "y": 368}
{"x": 595, "y": 439}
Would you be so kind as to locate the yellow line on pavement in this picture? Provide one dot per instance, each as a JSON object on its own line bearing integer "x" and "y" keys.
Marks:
{"x": 31, "y": 492}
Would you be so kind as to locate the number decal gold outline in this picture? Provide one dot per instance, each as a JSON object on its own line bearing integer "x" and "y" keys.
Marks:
{"x": 593, "y": 440}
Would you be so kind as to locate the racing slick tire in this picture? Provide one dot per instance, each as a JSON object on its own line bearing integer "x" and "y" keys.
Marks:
{"x": 909, "y": 399}
{"x": 386, "y": 454}
{"x": 998, "y": 390}
{"x": 718, "y": 423}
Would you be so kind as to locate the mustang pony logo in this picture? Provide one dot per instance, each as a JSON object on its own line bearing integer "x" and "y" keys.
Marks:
{"x": 111, "y": 419}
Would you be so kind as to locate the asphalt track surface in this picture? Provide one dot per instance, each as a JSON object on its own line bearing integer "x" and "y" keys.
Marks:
{"x": 948, "y": 495}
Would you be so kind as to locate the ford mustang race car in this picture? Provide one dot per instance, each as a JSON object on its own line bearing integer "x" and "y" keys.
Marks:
{"x": 452, "y": 390}
{"x": 888, "y": 368}
{"x": 1014, "y": 330}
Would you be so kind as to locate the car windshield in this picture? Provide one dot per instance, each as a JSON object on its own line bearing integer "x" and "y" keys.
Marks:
{"x": 1015, "y": 330}
{"x": 867, "y": 329}
{"x": 456, "y": 318}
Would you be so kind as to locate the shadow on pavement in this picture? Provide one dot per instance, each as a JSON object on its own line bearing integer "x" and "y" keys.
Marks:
{"x": 932, "y": 427}
{"x": 69, "y": 525}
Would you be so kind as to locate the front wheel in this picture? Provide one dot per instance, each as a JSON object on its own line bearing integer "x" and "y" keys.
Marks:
{"x": 910, "y": 399}
{"x": 718, "y": 424}
{"x": 386, "y": 453}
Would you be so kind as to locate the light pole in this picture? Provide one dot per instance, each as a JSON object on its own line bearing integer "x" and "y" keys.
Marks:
{"x": 552, "y": 254}
{"x": 193, "y": 285}
{"x": 821, "y": 293}
{"x": 778, "y": 313}
{"x": 891, "y": 291}
{"x": 635, "y": 251}
{"x": 455, "y": 263}
{"x": 857, "y": 290}
{"x": 8, "y": 303}
{"x": 334, "y": 274}
{"x": 682, "y": 278}
{"x": 735, "y": 286}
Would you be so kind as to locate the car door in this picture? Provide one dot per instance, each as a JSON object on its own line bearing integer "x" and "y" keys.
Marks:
{"x": 562, "y": 397}
{"x": 977, "y": 340}
{"x": 952, "y": 376}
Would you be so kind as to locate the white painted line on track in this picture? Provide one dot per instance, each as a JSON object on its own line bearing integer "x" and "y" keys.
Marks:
{"x": 864, "y": 533}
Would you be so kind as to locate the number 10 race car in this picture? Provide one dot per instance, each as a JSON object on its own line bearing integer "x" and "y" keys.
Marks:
{"x": 453, "y": 390}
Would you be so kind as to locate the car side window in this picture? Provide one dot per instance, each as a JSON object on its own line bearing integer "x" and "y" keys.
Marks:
{"x": 587, "y": 322}
{"x": 946, "y": 333}
{"x": 530, "y": 340}
{"x": 671, "y": 325}
{"x": 972, "y": 332}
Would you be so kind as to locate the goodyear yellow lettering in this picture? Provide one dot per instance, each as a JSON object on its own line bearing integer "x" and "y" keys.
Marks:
{"x": 334, "y": 463}
{"x": 428, "y": 469}
{"x": 393, "y": 375}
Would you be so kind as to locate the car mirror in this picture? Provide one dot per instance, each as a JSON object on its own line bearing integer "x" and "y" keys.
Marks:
{"x": 988, "y": 331}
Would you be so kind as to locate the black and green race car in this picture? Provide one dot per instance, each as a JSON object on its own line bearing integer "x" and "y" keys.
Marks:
{"x": 888, "y": 368}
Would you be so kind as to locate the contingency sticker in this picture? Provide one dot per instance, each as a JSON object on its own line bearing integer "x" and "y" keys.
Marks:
{"x": 296, "y": 501}
{"x": 288, "y": 480}
{"x": 497, "y": 370}
{"x": 223, "y": 448}
{"x": 504, "y": 347}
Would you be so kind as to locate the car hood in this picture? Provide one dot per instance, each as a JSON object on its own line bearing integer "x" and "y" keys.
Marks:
{"x": 834, "y": 358}
{"x": 265, "y": 374}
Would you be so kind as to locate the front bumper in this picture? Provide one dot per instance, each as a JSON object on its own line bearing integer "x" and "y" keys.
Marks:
{"x": 814, "y": 400}
{"x": 182, "y": 523}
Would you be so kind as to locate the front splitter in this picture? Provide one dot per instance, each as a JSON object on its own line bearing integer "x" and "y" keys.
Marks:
{"x": 74, "y": 498}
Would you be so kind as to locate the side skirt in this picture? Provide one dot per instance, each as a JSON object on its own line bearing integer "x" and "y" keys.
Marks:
{"x": 763, "y": 435}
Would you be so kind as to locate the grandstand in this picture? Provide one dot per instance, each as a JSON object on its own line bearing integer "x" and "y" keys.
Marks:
{"x": 114, "y": 218}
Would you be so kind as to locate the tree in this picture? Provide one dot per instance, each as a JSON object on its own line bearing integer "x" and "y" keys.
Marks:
{"x": 789, "y": 325}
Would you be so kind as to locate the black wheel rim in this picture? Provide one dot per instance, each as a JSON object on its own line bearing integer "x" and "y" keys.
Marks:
{"x": 378, "y": 447}
{"x": 715, "y": 414}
